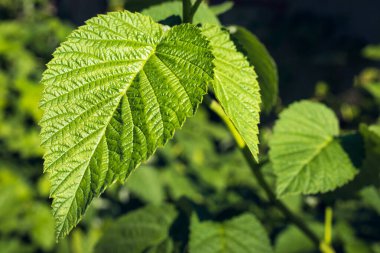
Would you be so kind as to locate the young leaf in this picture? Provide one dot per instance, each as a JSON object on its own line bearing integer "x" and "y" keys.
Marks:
{"x": 265, "y": 66}
{"x": 242, "y": 234}
{"x": 235, "y": 86}
{"x": 162, "y": 11}
{"x": 305, "y": 155}
{"x": 144, "y": 230}
{"x": 222, "y": 8}
{"x": 115, "y": 91}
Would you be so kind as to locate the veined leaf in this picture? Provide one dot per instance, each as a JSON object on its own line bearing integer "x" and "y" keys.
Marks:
{"x": 242, "y": 234}
{"x": 235, "y": 86}
{"x": 115, "y": 91}
{"x": 162, "y": 11}
{"x": 265, "y": 66}
{"x": 306, "y": 156}
{"x": 143, "y": 230}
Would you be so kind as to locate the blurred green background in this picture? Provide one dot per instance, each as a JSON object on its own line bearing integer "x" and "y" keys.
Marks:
{"x": 325, "y": 50}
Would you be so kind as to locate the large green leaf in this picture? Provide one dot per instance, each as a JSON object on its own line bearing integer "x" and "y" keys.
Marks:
{"x": 162, "y": 11}
{"x": 265, "y": 66}
{"x": 306, "y": 156}
{"x": 144, "y": 230}
{"x": 242, "y": 234}
{"x": 115, "y": 91}
{"x": 235, "y": 86}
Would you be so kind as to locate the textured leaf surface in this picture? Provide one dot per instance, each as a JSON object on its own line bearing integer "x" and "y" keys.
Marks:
{"x": 162, "y": 11}
{"x": 235, "y": 86}
{"x": 305, "y": 155}
{"x": 114, "y": 92}
{"x": 265, "y": 66}
{"x": 243, "y": 234}
{"x": 144, "y": 230}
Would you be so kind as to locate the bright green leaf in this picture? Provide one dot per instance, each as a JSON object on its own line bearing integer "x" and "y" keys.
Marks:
{"x": 265, "y": 66}
{"x": 306, "y": 156}
{"x": 235, "y": 86}
{"x": 163, "y": 11}
{"x": 143, "y": 230}
{"x": 242, "y": 234}
{"x": 115, "y": 91}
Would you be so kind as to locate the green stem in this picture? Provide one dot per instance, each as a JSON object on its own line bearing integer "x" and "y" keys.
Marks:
{"x": 326, "y": 244}
{"x": 189, "y": 10}
{"x": 186, "y": 10}
{"x": 195, "y": 8}
{"x": 216, "y": 108}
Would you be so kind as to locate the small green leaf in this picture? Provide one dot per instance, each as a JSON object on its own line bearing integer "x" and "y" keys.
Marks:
{"x": 222, "y": 8}
{"x": 235, "y": 86}
{"x": 306, "y": 156}
{"x": 115, "y": 91}
{"x": 263, "y": 62}
{"x": 163, "y": 11}
{"x": 242, "y": 234}
{"x": 143, "y": 230}
{"x": 372, "y": 52}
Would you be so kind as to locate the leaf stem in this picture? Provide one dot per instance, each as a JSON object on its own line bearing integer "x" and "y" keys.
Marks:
{"x": 326, "y": 244}
{"x": 217, "y": 109}
{"x": 189, "y": 10}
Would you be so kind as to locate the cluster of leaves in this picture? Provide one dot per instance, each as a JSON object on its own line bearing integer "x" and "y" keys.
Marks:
{"x": 197, "y": 194}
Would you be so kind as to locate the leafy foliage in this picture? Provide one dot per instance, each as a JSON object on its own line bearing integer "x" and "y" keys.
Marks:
{"x": 114, "y": 92}
{"x": 305, "y": 154}
{"x": 241, "y": 234}
{"x": 200, "y": 170}
{"x": 143, "y": 230}
{"x": 235, "y": 86}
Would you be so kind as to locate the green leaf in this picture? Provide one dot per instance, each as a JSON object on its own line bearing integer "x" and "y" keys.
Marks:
{"x": 235, "y": 86}
{"x": 145, "y": 184}
{"x": 293, "y": 240}
{"x": 222, "y": 8}
{"x": 306, "y": 156}
{"x": 143, "y": 230}
{"x": 242, "y": 234}
{"x": 263, "y": 62}
{"x": 372, "y": 52}
{"x": 371, "y": 198}
{"x": 370, "y": 170}
{"x": 163, "y": 11}
{"x": 115, "y": 91}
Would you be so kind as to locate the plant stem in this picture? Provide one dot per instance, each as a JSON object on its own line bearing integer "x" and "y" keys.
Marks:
{"x": 195, "y": 8}
{"x": 189, "y": 10}
{"x": 186, "y": 10}
{"x": 216, "y": 108}
{"x": 326, "y": 244}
